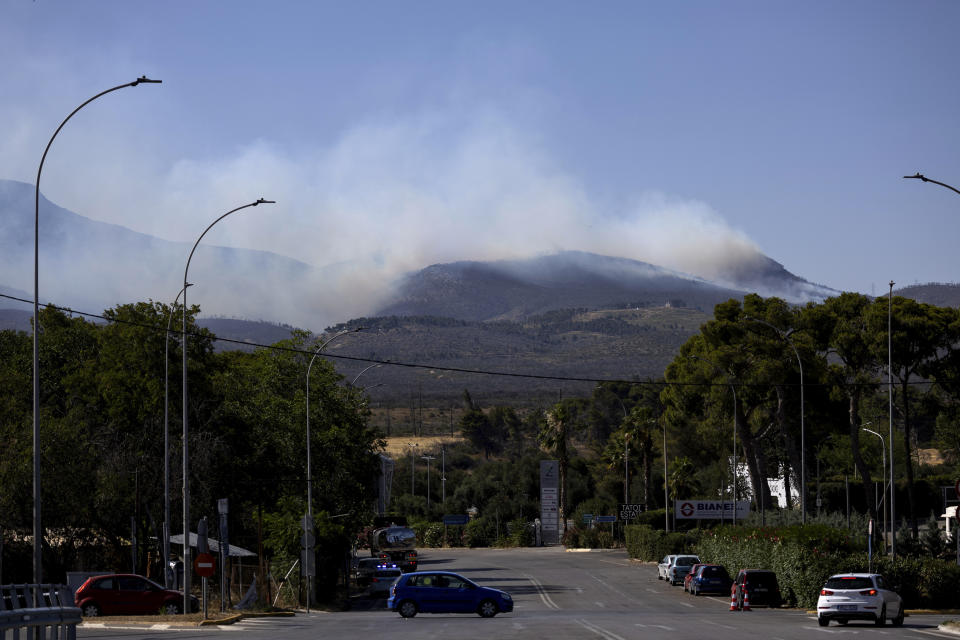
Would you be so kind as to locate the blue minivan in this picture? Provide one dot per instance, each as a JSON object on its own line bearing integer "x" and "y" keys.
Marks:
{"x": 445, "y": 592}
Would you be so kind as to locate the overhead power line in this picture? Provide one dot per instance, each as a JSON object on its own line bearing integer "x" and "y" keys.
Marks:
{"x": 433, "y": 367}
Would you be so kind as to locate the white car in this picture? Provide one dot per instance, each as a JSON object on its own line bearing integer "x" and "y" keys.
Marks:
{"x": 858, "y": 596}
{"x": 382, "y": 579}
{"x": 663, "y": 569}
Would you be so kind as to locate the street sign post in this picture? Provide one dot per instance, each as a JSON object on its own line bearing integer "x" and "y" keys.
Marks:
{"x": 204, "y": 565}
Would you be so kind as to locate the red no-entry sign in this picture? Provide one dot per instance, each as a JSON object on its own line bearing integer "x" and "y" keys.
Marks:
{"x": 204, "y": 565}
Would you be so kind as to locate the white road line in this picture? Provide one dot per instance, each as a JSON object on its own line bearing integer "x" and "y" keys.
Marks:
{"x": 654, "y": 626}
{"x": 597, "y": 629}
{"x": 937, "y": 634}
{"x": 544, "y": 596}
{"x": 687, "y": 604}
{"x": 601, "y": 605}
{"x": 621, "y": 563}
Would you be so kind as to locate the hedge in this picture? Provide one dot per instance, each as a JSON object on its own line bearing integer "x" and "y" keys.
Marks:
{"x": 803, "y": 557}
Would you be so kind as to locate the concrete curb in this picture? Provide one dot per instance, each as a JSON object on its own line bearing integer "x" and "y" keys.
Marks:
{"x": 953, "y": 629}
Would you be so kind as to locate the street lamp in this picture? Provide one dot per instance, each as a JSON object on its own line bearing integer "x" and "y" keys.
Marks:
{"x": 412, "y": 445}
{"x": 785, "y": 336}
{"x": 883, "y": 453}
{"x": 893, "y": 515}
{"x": 428, "y": 459}
{"x": 37, "y": 529}
{"x": 920, "y": 176}
{"x": 166, "y": 443}
{"x": 357, "y": 377}
{"x": 626, "y": 467}
{"x": 732, "y": 389}
{"x": 186, "y": 427}
{"x": 310, "y": 366}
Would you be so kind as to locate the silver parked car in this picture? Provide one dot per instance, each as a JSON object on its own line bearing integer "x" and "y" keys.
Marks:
{"x": 859, "y": 596}
{"x": 680, "y": 568}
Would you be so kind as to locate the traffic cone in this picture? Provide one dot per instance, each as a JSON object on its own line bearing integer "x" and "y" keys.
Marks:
{"x": 733, "y": 599}
{"x": 746, "y": 599}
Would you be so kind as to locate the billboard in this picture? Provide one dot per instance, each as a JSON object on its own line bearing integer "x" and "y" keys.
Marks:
{"x": 711, "y": 509}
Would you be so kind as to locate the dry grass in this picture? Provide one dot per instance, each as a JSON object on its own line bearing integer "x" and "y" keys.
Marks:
{"x": 400, "y": 445}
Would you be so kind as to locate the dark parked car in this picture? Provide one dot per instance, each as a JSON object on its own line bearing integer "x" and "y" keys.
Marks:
{"x": 710, "y": 578}
{"x": 760, "y": 585}
{"x": 689, "y": 577}
{"x": 128, "y": 594}
{"x": 445, "y": 592}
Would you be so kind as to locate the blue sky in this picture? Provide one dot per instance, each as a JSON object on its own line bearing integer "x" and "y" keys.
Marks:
{"x": 395, "y": 135}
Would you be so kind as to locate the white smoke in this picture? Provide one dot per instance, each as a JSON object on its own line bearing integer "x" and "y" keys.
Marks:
{"x": 388, "y": 197}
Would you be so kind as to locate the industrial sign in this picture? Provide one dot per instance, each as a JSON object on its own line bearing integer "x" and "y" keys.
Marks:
{"x": 456, "y": 519}
{"x": 549, "y": 501}
{"x": 712, "y": 509}
{"x": 606, "y": 518}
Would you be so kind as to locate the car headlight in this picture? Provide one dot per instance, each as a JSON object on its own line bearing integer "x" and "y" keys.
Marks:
{"x": 506, "y": 596}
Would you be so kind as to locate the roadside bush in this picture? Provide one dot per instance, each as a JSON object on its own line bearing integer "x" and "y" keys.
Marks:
{"x": 521, "y": 533}
{"x": 479, "y": 532}
{"x": 433, "y": 535}
{"x": 650, "y": 545}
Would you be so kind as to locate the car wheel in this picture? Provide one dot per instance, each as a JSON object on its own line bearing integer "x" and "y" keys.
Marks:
{"x": 407, "y": 609}
{"x": 898, "y": 621}
{"x": 823, "y": 621}
{"x": 171, "y": 608}
{"x": 882, "y": 619}
{"x": 488, "y": 609}
{"x": 90, "y": 610}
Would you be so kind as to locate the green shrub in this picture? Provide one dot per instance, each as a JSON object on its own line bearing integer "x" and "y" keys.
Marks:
{"x": 521, "y": 533}
{"x": 433, "y": 535}
{"x": 650, "y": 545}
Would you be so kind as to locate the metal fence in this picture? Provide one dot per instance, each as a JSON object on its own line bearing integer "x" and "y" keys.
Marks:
{"x": 38, "y": 611}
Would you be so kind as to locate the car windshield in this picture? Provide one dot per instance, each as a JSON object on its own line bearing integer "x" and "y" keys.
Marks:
{"x": 849, "y": 582}
{"x": 686, "y": 561}
{"x": 713, "y": 572}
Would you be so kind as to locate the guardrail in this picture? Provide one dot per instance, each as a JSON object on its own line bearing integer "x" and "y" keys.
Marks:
{"x": 38, "y": 611}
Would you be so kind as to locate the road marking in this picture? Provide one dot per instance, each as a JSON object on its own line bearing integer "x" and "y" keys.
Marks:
{"x": 621, "y": 563}
{"x": 937, "y": 634}
{"x": 547, "y": 600}
{"x": 687, "y": 604}
{"x": 601, "y": 605}
{"x": 597, "y": 629}
{"x": 654, "y": 626}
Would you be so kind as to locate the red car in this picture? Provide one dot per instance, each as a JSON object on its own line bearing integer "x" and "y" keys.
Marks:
{"x": 689, "y": 577}
{"x": 128, "y": 594}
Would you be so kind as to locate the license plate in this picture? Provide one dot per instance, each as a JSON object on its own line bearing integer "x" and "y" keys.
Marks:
{"x": 846, "y": 607}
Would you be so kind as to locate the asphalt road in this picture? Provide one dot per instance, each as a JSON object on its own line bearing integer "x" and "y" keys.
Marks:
{"x": 599, "y": 595}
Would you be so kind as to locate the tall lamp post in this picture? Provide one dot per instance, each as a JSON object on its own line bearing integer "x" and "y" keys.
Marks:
{"x": 309, "y": 367}
{"x": 734, "y": 391}
{"x": 893, "y": 484}
{"x": 785, "y": 336}
{"x": 883, "y": 455}
{"x": 37, "y": 529}
{"x": 166, "y": 444}
{"x": 428, "y": 459}
{"x": 186, "y": 425}
{"x": 413, "y": 446}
